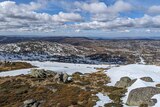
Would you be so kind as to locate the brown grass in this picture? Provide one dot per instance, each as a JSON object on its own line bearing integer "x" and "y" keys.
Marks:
{"x": 81, "y": 92}
{"x": 15, "y": 66}
{"x": 15, "y": 90}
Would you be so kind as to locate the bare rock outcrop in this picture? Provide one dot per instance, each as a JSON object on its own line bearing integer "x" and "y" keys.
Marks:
{"x": 57, "y": 77}
{"x": 142, "y": 95}
{"x": 147, "y": 79}
{"x": 31, "y": 103}
{"x": 124, "y": 82}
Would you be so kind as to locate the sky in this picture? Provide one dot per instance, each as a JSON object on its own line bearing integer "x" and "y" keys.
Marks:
{"x": 90, "y": 18}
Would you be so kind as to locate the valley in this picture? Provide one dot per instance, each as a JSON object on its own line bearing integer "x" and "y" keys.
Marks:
{"x": 83, "y": 50}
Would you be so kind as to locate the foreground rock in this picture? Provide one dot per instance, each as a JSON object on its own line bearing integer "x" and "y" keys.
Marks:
{"x": 61, "y": 77}
{"x": 124, "y": 82}
{"x": 41, "y": 73}
{"x": 30, "y": 91}
{"x": 38, "y": 73}
{"x": 147, "y": 79}
{"x": 31, "y": 103}
{"x": 142, "y": 96}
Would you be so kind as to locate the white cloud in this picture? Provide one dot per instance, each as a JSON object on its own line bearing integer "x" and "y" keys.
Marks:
{"x": 66, "y": 17}
{"x": 123, "y": 23}
{"x": 101, "y": 12}
{"x": 121, "y": 6}
{"x": 24, "y": 17}
{"x": 125, "y": 31}
{"x": 101, "y": 7}
{"x": 96, "y": 7}
{"x": 154, "y": 9}
{"x": 77, "y": 30}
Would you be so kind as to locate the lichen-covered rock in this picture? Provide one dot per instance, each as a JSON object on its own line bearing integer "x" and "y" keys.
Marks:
{"x": 65, "y": 77}
{"x": 147, "y": 79}
{"x": 142, "y": 95}
{"x": 124, "y": 82}
{"x": 38, "y": 73}
{"x": 61, "y": 77}
{"x": 58, "y": 77}
{"x": 31, "y": 103}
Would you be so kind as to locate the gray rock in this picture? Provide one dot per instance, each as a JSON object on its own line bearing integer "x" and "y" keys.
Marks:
{"x": 58, "y": 77}
{"x": 31, "y": 103}
{"x": 124, "y": 82}
{"x": 147, "y": 79}
{"x": 41, "y": 73}
{"x": 61, "y": 77}
{"x": 65, "y": 77}
{"x": 77, "y": 73}
{"x": 36, "y": 104}
{"x": 143, "y": 95}
{"x": 38, "y": 73}
{"x": 49, "y": 72}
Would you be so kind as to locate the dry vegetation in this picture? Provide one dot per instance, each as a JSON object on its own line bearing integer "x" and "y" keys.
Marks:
{"x": 80, "y": 92}
{"x": 6, "y": 66}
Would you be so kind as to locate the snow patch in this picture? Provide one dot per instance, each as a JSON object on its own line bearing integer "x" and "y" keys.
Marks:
{"x": 69, "y": 68}
{"x": 102, "y": 100}
{"x": 135, "y": 71}
{"x": 158, "y": 100}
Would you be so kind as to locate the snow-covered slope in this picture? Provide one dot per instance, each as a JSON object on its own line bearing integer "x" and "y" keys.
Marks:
{"x": 58, "y": 67}
{"x": 136, "y": 71}
{"x": 50, "y": 48}
{"x": 133, "y": 71}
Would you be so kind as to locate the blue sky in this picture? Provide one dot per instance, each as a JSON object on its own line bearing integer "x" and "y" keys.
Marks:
{"x": 92, "y": 18}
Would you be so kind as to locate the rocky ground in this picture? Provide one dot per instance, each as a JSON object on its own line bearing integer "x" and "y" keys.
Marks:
{"x": 108, "y": 86}
{"x": 43, "y": 88}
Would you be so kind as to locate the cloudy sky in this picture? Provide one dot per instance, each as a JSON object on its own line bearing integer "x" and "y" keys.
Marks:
{"x": 102, "y": 18}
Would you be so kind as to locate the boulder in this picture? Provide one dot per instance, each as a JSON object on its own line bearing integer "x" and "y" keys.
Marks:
{"x": 41, "y": 73}
{"x": 49, "y": 72}
{"x": 77, "y": 73}
{"x": 142, "y": 95}
{"x": 58, "y": 77}
{"x": 124, "y": 82}
{"x": 61, "y": 77}
{"x": 147, "y": 79}
{"x": 31, "y": 103}
{"x": 65, "y": 77}
{"x": 38, "y": 73}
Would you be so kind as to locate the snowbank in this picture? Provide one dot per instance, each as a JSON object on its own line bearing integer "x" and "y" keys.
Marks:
{"x": 102, "y": 100}
{"x": 57, "y": 67}
{"x": 135, "y": 71}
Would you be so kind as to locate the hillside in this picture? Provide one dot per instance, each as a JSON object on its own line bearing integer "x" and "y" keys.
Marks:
{"x": 87, "y": 86}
